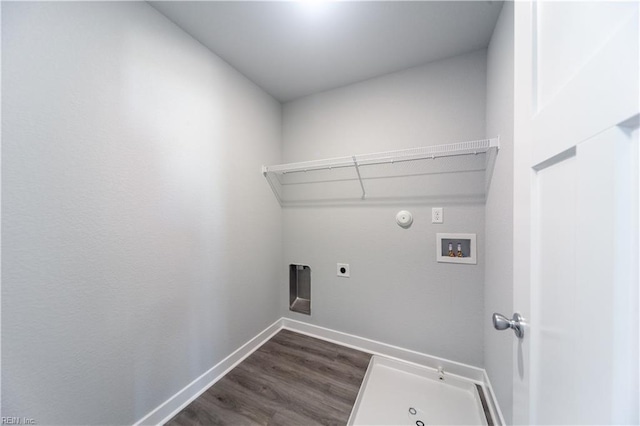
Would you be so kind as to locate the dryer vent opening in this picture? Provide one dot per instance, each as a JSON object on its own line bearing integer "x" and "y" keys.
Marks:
{"x": 300, "y": 289}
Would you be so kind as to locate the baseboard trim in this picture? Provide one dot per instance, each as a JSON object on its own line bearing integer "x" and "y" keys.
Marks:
{"x": 378, "y": 348}
{"x": 164, "y": 412}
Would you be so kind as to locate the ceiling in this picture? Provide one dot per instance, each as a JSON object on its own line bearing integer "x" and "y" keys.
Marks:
{"x": 295, "y": 48}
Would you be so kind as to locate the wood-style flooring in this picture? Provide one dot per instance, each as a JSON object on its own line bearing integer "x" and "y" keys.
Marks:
{"x": 292, "y": 379}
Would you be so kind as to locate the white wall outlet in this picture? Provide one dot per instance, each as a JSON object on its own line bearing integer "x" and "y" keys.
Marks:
{"x": 437, "y": 215}
{"x": 343, "y": 270}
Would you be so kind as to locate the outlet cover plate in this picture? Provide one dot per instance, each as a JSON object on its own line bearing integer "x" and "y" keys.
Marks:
{"x": 437, "y": 215}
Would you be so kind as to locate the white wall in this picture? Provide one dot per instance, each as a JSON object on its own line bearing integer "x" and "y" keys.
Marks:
{"x": 397, "y": 293}
{"x": 141, "y": 244}
{"x": 498, "y": 295}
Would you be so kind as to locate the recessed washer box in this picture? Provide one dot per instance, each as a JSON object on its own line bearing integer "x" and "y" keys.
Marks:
{"x": 456, "y": 248}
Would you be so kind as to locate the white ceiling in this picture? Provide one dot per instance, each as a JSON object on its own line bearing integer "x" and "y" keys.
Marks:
{"x": 295, "y": 48}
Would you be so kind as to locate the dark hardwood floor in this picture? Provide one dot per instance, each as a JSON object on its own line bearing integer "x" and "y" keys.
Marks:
{"x": 292, "y": 379}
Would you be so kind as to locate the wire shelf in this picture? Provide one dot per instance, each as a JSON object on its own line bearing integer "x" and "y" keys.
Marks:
{"x": 431, "y": 171}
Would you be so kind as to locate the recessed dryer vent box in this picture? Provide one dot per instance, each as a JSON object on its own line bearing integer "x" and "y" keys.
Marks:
{"x": 466, "y": 254}
{"x": 300, "y": 289}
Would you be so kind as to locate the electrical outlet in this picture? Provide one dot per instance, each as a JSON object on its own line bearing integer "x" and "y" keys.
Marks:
{"x": 437, "y": 215}
{"x": 343, "y": 270}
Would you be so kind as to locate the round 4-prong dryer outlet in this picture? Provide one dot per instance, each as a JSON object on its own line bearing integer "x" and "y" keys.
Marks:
{"x": 404, "y": 219}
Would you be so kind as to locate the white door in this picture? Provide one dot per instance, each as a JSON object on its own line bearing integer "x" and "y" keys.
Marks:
{"x": 576, "y": 212}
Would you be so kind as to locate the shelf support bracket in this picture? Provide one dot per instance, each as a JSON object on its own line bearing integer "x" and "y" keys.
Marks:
{"x": 355, "y": 163}
{"x": 265, "y": 171}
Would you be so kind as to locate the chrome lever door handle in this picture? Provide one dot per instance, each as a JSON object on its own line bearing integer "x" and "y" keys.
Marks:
{"x": 500, "y": 322}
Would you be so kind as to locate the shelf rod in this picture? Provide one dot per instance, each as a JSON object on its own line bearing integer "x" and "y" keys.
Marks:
{"x": 416, "y": 158}
{"x": 355, "y": 163}
{"x": 374, "y": 163}
{"x": 391, "y": 157}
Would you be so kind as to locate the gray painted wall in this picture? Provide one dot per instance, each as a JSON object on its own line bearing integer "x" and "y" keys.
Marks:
{"x": 397, "y": 292}
{"x": 140, "y": 243}
{"x": 498, "y": 296}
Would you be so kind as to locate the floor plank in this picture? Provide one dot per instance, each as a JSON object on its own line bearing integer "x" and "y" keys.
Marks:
{"x": 293, "y": 379}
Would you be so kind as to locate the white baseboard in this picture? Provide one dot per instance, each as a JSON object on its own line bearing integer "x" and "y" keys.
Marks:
{"x": 186, "y": 395}
{"x": 378, "y": 348}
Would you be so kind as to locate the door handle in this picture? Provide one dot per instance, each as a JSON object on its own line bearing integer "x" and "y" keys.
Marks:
{"x": 500, "y": 322}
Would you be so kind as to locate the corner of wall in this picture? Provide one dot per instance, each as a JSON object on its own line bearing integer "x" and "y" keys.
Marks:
{"x": 498, "y": 291}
